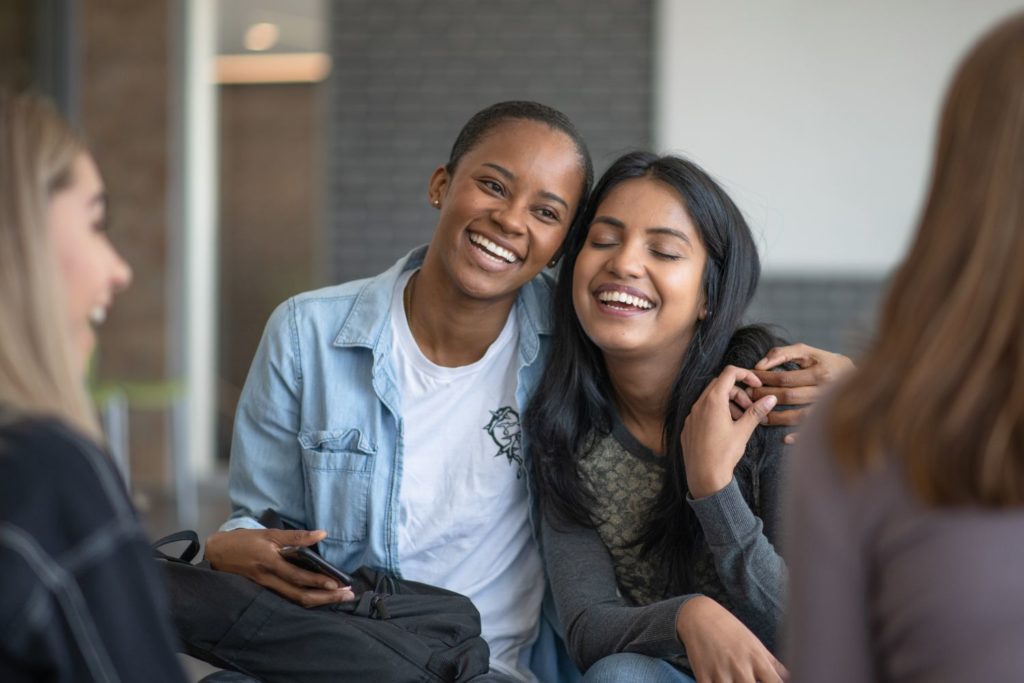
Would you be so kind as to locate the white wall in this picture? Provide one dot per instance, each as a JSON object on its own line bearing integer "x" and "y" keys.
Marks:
{"x": 817, "y": 115}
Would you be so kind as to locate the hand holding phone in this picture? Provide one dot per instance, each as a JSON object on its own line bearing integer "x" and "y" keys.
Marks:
{"x": 310, "y": 560}
{"x": 256, "y": 555}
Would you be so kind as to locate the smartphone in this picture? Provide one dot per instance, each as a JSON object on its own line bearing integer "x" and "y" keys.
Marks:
{"x": 310, "y": 560}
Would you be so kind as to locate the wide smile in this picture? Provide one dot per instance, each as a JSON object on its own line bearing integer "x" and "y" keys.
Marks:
{"x": 623, "y": 301}
{"x": 491, "y": 252}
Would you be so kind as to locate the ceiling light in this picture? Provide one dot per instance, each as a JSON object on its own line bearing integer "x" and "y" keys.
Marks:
{"x": 261, "y": 36}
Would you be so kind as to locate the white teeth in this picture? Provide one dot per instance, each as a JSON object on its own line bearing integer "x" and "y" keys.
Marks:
{"x": 492, "y": 248}
{"x": 98, "y": 315}
{"x": 611, "y": 296}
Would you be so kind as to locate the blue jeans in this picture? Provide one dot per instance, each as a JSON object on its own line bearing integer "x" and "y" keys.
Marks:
{"x": 627, "y": 667}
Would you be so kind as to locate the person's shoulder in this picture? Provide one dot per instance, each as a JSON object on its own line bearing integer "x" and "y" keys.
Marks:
{"x": 57, "y": 483}
{"x": 332, "y": 293}
{"x": 44, "y": 459}
{"x": 336, "y": 302}
{"x": 322, "y": 308}
{"x": 41, "y": 440}
{"x": 750, "y": 344}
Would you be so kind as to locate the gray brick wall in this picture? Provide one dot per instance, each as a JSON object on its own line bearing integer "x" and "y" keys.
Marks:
{"x": 834, "y": 313}
{"x": 408, "y": 73}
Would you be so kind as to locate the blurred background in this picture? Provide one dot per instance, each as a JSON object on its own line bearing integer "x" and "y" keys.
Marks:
{"x": 253, "y": 149}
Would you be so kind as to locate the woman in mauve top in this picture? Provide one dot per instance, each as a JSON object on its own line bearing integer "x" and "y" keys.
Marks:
{"x": 907, "y": 509}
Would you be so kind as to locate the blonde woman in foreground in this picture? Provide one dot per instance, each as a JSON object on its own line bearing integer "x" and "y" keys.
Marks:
{"x": 907, "y": 509}
{"x": 79, "y": 600}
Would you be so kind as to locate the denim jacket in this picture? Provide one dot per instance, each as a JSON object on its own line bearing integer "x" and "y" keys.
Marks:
{"x": 318, "y": 433}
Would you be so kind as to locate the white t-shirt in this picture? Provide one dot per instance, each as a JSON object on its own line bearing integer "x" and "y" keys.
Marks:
{"x": 464, "y": 521}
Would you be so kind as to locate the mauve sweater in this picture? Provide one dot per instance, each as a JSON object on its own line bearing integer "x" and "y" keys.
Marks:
{"x": 884, "y": 589}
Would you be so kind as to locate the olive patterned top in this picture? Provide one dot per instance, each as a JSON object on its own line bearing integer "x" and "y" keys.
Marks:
{"x": 612, "y": 599}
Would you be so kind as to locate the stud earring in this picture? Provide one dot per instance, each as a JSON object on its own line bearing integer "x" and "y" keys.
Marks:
{"x": 436, "y": 202}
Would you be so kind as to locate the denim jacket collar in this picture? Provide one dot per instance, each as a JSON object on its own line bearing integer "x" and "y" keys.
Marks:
{"x": 368, "y": 318}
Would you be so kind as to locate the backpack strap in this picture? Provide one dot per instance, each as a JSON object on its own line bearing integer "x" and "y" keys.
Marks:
{"x": 187, "y": 555}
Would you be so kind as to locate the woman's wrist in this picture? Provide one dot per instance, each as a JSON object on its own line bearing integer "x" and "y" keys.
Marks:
{"x": 706, "y": 484}
{"x": 689, "y": 613}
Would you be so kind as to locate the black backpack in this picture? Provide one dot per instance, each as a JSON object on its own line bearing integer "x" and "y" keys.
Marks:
{"x": 396, "y": 630}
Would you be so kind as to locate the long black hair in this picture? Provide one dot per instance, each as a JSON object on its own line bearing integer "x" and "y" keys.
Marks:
{"x": 573, "y": 406}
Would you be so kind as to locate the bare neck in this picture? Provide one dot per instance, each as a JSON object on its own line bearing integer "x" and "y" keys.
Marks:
{"x": 642, "y": 388}
{"x": 450, "y": 328}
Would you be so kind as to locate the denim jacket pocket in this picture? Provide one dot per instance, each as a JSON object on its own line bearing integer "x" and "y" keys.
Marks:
{"x": 338, "y": 465}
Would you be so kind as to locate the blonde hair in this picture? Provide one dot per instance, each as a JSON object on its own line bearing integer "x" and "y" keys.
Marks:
{"x": 39, "y": 373}
{"x": 942, "y": 388}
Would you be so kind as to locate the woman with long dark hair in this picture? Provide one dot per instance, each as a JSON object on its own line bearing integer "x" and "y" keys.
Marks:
{"x": 908, "y": 492}
{"x": 659, "y": 489}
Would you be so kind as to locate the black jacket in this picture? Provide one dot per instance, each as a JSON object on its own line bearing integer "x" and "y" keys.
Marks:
{"x": 79, "y": 592}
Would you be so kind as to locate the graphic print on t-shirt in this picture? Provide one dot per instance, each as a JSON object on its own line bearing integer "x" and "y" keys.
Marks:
{"x": 505, "y": 430}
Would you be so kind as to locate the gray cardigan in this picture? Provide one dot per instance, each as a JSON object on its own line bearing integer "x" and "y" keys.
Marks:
{"x": 599, "y": 621}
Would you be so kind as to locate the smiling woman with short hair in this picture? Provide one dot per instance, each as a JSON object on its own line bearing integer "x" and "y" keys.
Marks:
{"x": 384, "y": 413}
